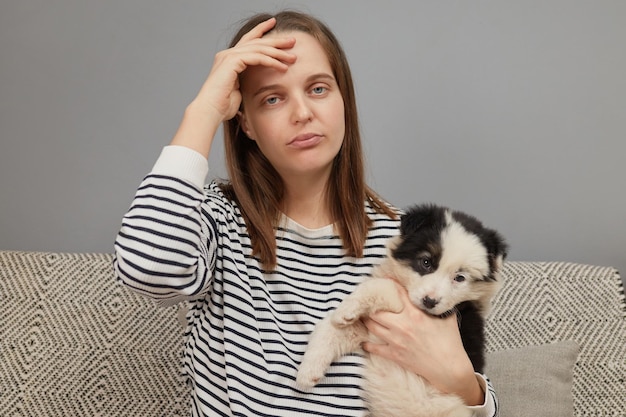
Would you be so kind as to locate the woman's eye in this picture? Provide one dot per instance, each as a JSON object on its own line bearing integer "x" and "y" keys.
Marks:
{"x": 271, "y": 100}
{"x": 319, "y": 90}
{"x": 459, "y": 278}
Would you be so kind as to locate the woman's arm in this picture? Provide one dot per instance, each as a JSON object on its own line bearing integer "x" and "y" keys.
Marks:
{"x": 164, "y": 248}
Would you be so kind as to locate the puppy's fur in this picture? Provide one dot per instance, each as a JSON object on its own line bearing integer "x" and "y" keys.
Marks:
{"x": 449, "y": 263}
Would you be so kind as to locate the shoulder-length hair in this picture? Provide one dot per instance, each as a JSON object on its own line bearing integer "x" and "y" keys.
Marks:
{"x": 258, "y": 188}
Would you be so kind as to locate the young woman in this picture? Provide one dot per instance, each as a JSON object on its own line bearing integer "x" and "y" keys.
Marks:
{"x": 263, "y": 257}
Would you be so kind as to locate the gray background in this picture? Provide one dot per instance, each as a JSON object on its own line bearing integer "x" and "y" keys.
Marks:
{"x": 514, "y": 111}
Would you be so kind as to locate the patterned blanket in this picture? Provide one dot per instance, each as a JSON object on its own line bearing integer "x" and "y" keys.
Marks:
{"x": 73, "y": 342}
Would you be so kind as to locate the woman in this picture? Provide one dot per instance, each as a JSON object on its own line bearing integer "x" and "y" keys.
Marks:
{"x": 263, "y": 257}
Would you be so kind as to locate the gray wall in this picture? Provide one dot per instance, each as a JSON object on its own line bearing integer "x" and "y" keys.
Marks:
{"x": 512, "y": 110}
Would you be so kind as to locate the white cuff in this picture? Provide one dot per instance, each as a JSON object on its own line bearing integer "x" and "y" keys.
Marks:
{"x": 183, "y": 163}
{"x": 488, "y": 407}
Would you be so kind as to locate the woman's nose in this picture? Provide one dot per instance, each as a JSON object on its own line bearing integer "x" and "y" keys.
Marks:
{"x": 301, "y": 110}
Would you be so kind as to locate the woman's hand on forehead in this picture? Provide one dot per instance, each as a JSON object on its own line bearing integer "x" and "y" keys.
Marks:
{"x": 221, "y": 89}
{"x": 219, "y": 97}
{"x": 272, "y": 49}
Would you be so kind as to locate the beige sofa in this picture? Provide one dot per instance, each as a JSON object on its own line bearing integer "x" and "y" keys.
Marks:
{"x": 75, "y": 343}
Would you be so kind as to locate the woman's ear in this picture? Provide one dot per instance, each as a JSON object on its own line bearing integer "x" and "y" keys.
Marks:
{"x": 243, "y": 122}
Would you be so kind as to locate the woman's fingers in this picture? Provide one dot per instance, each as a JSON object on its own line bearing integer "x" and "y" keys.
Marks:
{"x": 268, "y": 51}
{"x": 271, "y": 53}
{"x": 259, "y": 30}
{"x": 272, "y": 46}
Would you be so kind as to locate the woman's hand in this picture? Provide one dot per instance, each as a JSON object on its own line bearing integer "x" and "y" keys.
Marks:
{"x": 428, "y": 346}
{"x": 219, "y": 98}
{"x": 221, "y": 89}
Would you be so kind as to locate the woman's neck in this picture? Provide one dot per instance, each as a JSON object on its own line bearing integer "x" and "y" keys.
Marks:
{"x": 306, "y": 203}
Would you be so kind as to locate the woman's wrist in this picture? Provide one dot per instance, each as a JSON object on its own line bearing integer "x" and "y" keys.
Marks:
{"x": 461, "y": 380}
{"x": 469, "y": 388}
{"x": 197, "y": 129}
{"x": 474, "y": 395}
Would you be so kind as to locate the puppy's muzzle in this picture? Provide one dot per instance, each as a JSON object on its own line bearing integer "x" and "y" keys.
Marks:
{"x": 429, "y": 302}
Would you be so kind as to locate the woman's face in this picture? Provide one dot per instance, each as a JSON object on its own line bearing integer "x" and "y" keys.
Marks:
{"x": 296, "y": 117}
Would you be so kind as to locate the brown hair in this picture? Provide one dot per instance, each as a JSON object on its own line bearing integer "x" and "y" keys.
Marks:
{"x": 258, "y": 189}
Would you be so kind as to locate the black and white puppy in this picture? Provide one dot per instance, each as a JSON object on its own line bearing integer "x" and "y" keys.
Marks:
{"x": 449, "y": 263}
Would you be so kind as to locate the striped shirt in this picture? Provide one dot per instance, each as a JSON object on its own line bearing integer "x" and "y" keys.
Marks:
{"x": 248, "y": 328}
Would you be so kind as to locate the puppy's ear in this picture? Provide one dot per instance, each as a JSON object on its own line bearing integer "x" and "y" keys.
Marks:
{"x": 497, "y": 248}
{"x": 392, "y": 245}
{"x": 497, "y": 264}
{"x": 416, "y": 218}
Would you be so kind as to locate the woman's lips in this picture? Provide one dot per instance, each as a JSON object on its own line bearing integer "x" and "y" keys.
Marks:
{"x": 305, "y": 140}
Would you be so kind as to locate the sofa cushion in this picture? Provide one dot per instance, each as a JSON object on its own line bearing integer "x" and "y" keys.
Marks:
{"x": 534, "y": 380}
{"x": 546, "y": 302}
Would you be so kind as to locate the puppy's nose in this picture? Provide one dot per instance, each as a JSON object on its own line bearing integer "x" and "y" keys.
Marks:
{"x": 429, "y": 302}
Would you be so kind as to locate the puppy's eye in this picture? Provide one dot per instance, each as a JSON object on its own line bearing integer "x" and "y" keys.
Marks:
{"x": 459, "y": 278}
{"x": 423, "y": 264}
{"x": 427, "y": 264}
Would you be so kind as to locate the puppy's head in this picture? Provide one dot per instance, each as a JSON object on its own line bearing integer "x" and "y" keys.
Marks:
{"x": 444, "y": 258}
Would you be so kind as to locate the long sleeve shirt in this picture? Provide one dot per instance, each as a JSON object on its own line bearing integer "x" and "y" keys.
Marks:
{"x": 247, "y": 327}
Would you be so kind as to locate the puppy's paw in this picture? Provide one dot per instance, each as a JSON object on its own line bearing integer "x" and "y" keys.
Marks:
{"x": 309, "y": 375}
{"x": 347, "y": 313}
{"x": 394, "y": 304}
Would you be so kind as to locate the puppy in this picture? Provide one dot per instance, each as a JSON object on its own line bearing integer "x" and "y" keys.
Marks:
{"x": 449, "y": 263}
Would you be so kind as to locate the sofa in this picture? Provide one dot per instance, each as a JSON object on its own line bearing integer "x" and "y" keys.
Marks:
{"x": 73, "y": 342}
